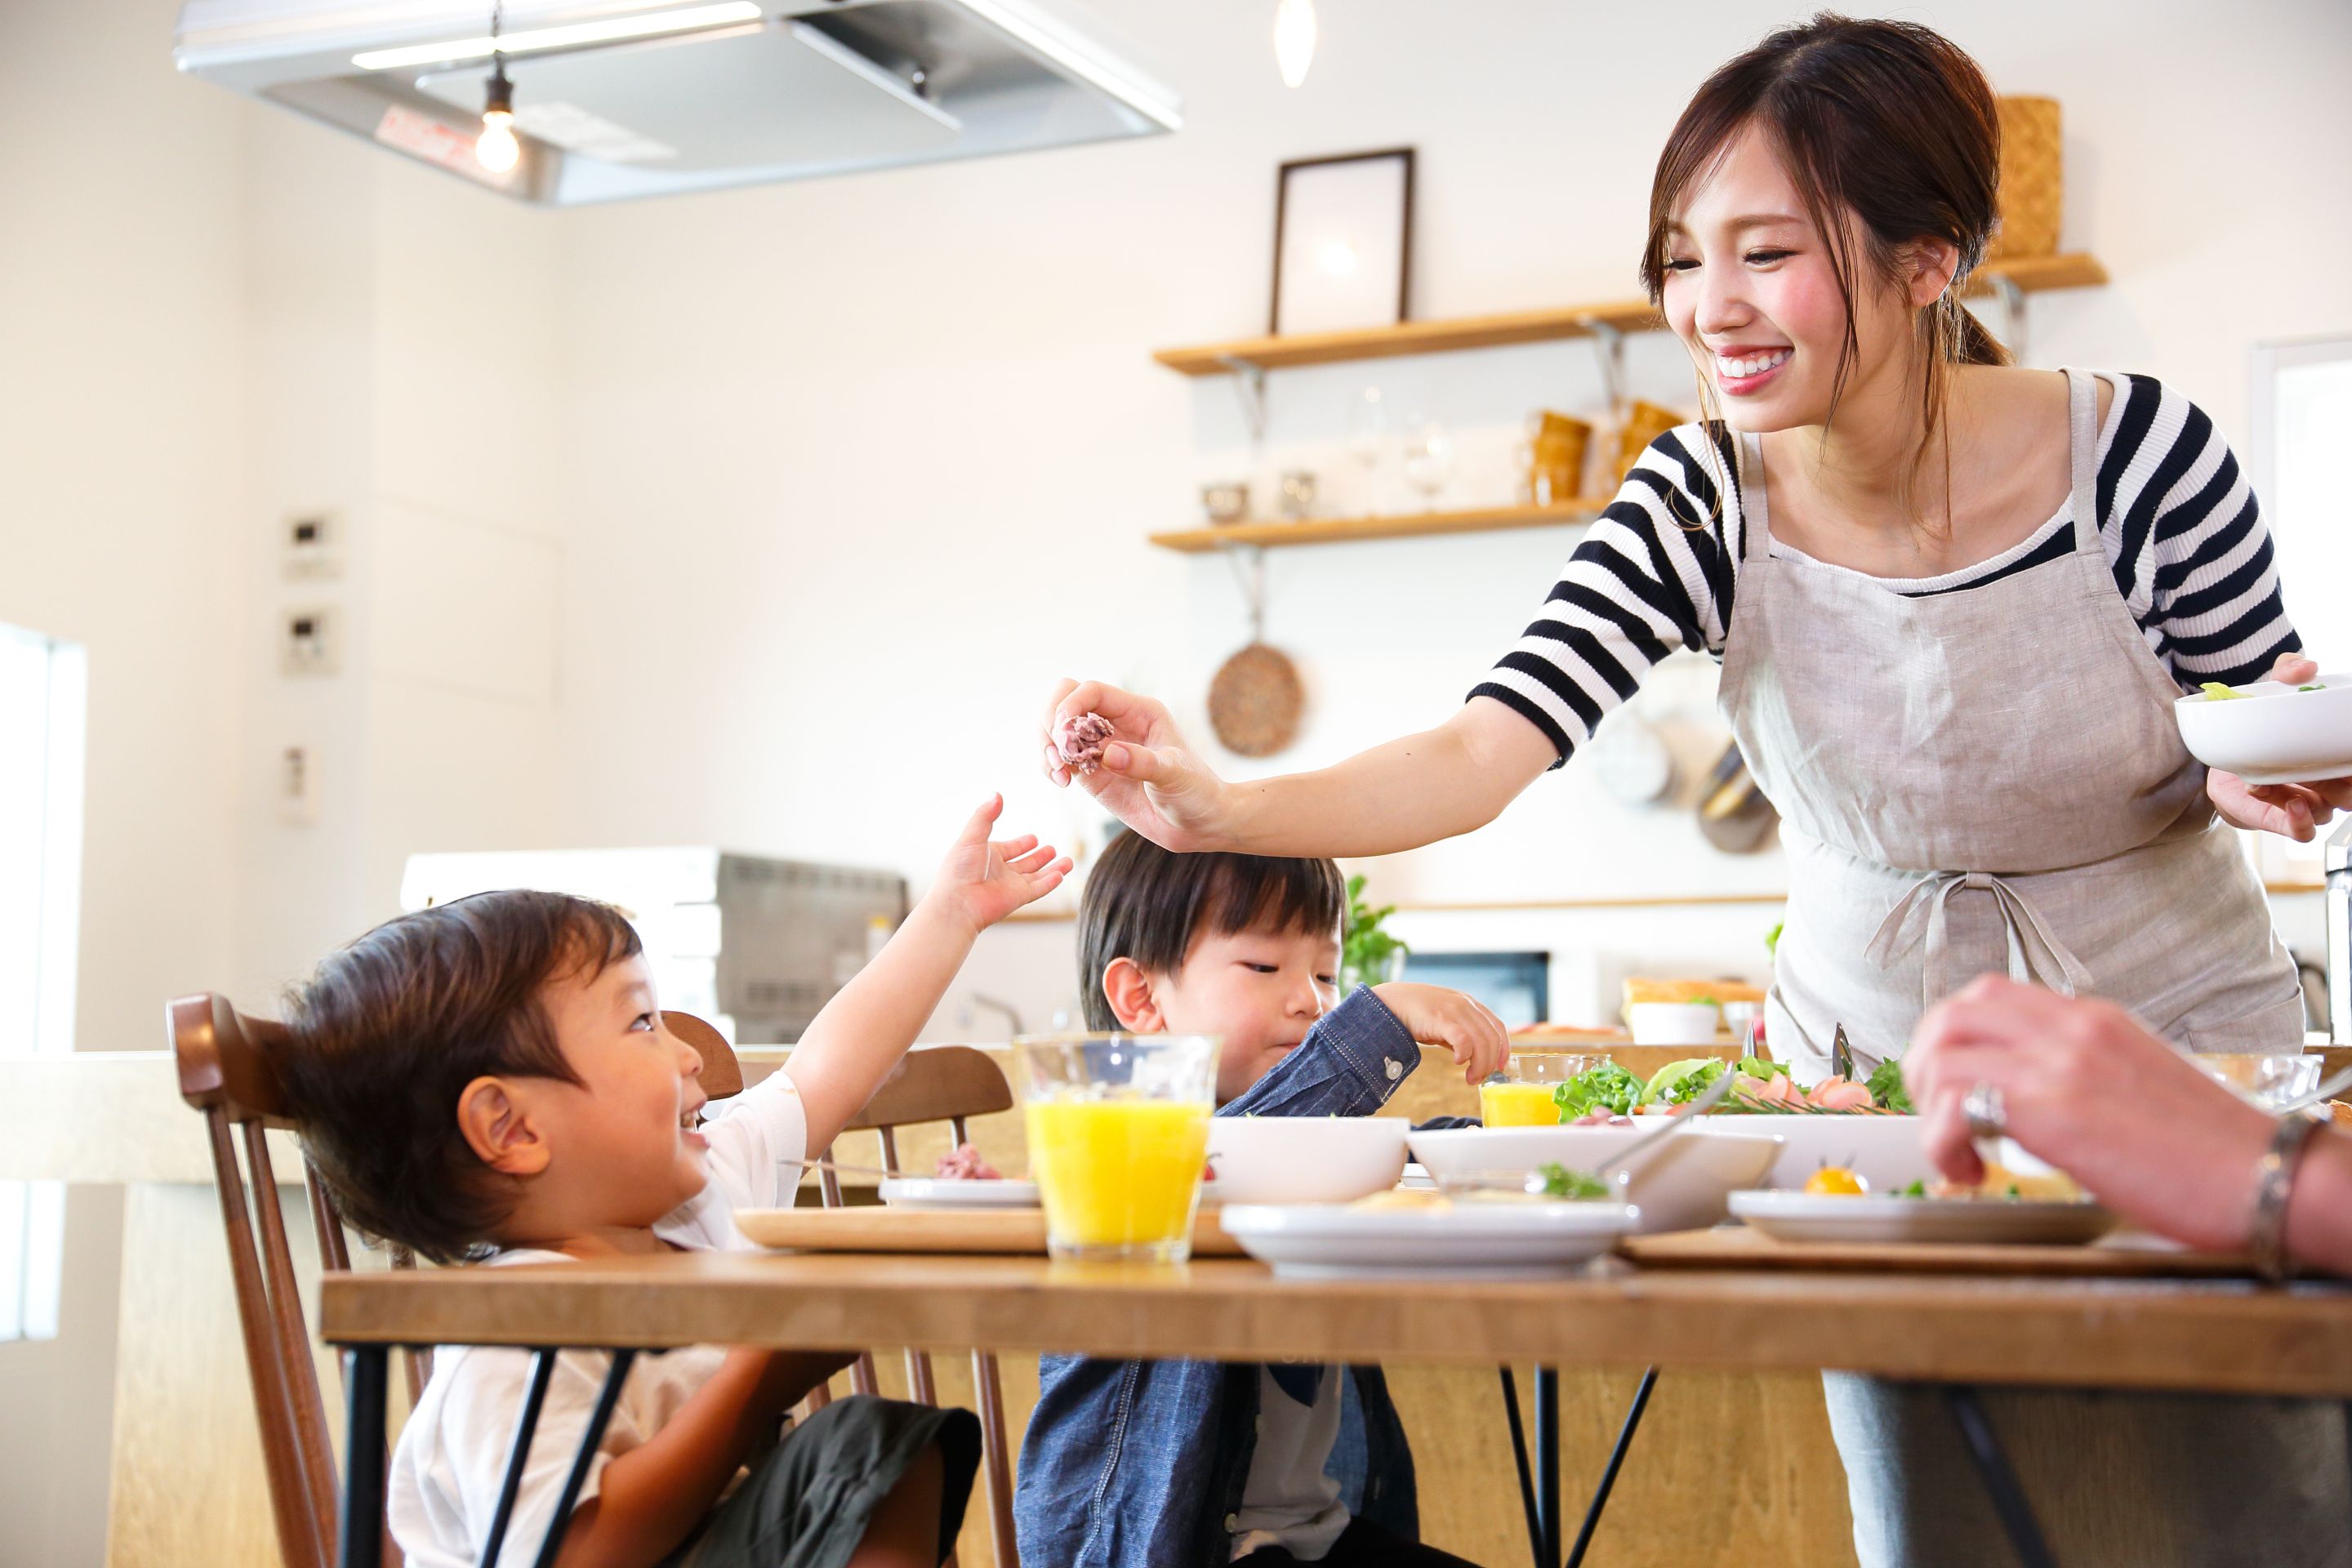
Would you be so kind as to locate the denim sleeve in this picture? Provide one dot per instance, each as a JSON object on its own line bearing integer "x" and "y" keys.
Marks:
{"x": 1349, "y": 1065}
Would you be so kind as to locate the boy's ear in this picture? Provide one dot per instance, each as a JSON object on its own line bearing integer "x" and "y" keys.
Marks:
{"x": 496, "y": 1127}
{"x": 1128, "y": 991}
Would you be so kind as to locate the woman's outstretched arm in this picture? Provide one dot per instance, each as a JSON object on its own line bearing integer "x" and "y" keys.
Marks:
{"x": 1410, "y": 792}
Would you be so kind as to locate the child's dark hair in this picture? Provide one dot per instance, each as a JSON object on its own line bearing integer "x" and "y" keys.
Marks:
{"x": 1145, "y": 903}
{"x": 389, "y": 1032}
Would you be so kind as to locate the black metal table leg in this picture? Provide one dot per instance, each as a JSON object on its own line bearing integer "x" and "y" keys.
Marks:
{"x": 2009, "y": 1500}
{"x": 542, "y": 1367}
{"x": 606, "y": 1397}
{"x": 1519, "y": 1458}
{"x": 1548, "y": 1459}
{"x": 362, "y": 1543}
{"x": 1616, "y": 1462}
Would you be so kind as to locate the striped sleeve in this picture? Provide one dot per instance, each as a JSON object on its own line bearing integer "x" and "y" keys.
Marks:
{"x": 1652, "y": 574}
{"x": 2192, "y": 556}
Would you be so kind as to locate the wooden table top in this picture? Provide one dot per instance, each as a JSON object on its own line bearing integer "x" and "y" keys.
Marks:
{"x": 2213, "y": 1335}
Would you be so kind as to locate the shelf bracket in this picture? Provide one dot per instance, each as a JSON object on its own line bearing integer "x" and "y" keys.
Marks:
{"x": 1249, "y": 386}
{"x": 1248, "y": 565}
{"x": 1609, "y": 347}
{"x": 2012, "y": 314}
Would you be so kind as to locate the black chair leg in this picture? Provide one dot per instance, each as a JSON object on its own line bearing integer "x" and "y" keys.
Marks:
{"x": 1548, "y": 1459}
{"x": 542, "y": 1367}
{"x": 602, "y": 1416}
{"x": 1519, "y": 1458}
{"x": 2009, "y": 1500}
{"x": 368, "y": 1368}
{"x": 1616, "y": 1462}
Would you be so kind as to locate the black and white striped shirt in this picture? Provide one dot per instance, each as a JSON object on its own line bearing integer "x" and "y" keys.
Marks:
{"x": 2190, "y": 554}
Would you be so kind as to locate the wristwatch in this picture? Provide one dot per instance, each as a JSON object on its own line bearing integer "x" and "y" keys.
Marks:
{"x": 2273, "y": 1184}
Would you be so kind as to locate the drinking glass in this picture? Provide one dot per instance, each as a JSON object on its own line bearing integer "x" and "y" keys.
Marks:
{"x": 1521, "y": 1094}
{"x": 1428, "y": 460}
{"x": 1118, "y": 1129}
{"x": 2269, "y": 1079}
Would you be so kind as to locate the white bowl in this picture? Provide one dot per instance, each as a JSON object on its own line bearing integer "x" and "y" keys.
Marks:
{"x": 1673, "y": 1023}
{"x": 1882, "y": 1149}
{"x": 2273, "y": 733}
{"x": 1685, "y": 1185}
{"x": 1302, "y": 1159}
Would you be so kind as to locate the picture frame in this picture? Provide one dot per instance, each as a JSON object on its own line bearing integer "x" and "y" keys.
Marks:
{"x": 1342, "y": 242}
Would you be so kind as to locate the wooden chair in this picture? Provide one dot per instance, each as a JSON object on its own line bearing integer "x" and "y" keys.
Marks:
{"x": 225, "y": 1070}
{"x": 950, "y": 1084}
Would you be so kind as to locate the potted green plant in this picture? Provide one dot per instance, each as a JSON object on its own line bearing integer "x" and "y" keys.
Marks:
{"x": 1368, "y": 955}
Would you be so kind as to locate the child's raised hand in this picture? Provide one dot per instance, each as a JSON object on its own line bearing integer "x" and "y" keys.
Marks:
{"x": 1437, "y": 1016}
{"x": 983, "y": 880}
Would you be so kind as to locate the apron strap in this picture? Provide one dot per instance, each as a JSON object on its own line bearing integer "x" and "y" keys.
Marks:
{"x": 2083, "y": 444}
{"x": 2035, "y": 953}
{"x": 1754, "y": 523}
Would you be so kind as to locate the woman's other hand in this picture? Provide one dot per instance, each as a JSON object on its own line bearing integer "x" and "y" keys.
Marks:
{"x": 1146, "y": 778}
{"x": 2086, "y": 1086}
{"x": 2292, "y": 811}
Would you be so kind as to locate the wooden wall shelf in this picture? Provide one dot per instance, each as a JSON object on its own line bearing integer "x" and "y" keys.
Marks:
{"x": 1404, "y": 525}
{"x": 2027, "y": 275}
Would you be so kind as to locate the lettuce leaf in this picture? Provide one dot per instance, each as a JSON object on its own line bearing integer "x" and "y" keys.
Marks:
{"x": 1607, "y": 1087}
{"x": 1679, "y": 1083}
{"x": 1885, "y": 1086}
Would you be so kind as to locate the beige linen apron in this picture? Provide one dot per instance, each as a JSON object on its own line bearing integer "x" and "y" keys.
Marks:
{"x": 1991, "y": 780}
{"x": 1987, "y": 780}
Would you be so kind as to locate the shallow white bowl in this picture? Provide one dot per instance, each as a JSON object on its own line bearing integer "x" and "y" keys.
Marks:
{"x": 1302, "y": 1159}
{"x": 1473, "y": 1240}
{"x": 1685, "y": 1185}
{"x": 2273, "y": 733}
{"x": 1882, "y": 1149}
{"x": 1673, "y": 1023}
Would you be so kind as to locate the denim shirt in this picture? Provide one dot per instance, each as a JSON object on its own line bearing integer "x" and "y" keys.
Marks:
{"x": 1141, "y": 1463}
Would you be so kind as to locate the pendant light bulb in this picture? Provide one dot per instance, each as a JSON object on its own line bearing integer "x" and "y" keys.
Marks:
{"x": 1294, "y": 39}
{"x": 495, "y": 148}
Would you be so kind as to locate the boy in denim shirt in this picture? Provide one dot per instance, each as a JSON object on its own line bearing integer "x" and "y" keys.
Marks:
{"x": 1187, "y": 1464}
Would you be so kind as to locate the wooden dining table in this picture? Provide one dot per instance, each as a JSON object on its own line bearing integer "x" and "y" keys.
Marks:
{"x": 1962, "y": 1331}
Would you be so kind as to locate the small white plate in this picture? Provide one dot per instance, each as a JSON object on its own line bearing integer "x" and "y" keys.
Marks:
{"x": 1467, "y": 1240}
{"x": 1957, "y": 1222}
{"x": 940, "y": 1192}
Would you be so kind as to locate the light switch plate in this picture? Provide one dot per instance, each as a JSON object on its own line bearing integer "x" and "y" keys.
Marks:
{"x": 310, "y": 642}
{"x": 311, "y": 544}
{"x": 298, "y": 787}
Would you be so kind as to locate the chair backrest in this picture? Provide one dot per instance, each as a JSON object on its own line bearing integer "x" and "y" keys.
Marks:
{"x": 225, "y": 1072}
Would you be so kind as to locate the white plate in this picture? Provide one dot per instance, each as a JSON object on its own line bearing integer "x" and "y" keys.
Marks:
{"x": 1468, "y": 1240}
{"x": 2273, "y": 733}
{"x": 1681, "y": 1186}
{"x": 941, "y": 1193}
{"x": 1958, "y": 1222}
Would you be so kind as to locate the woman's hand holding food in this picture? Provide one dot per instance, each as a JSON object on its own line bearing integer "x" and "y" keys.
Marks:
{"x": 2086, "y": 1086}
{"x": 1143, "y": 775}
{"x": 2292, "y": 811}
{"x": 1436, "y": 1016}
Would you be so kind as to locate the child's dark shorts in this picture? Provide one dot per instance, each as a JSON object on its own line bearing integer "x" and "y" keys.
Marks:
{"x": 806, "y": 1502}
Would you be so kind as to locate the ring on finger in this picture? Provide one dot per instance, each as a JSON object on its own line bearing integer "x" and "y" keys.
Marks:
{"x": 1988, "y": 1115}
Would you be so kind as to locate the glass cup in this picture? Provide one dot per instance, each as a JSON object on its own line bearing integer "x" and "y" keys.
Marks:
{"x": 2269, "y": 1081}
{"x": 1521, "y": 1094}
{"x": 1119, "y": 1130}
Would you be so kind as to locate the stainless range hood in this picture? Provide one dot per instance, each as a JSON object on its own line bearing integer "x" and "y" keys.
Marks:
{"x": 615, "y": 100}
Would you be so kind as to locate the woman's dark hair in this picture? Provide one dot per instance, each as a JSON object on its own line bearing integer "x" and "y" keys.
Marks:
{"x": 389, "y": 1032}
{"x": 1889, "y": 120}
{"x": 1145, "y": 903}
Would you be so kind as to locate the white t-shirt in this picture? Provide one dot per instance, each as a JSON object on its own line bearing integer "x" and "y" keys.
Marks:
{"x": 452, "y": 1455}
{"x": 1288, "y": 1501}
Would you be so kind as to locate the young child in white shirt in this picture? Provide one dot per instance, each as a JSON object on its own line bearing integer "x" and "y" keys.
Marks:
{"x": 491, "y": 1082}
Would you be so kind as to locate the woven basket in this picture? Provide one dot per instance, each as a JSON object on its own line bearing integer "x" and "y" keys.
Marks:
{"x": 2032, "y": 183}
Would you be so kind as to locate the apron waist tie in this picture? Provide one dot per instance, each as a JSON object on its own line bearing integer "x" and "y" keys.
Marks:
{"x": 2034, "y": 953}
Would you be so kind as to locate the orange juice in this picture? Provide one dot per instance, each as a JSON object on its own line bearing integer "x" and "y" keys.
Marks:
{"x": 1518, "y": 1105}
{"x": 1119, "y": 1173}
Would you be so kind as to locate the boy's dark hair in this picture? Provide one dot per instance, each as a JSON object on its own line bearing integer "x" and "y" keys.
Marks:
{"x": 1145, "y": 903}
{"x": 391, "y": 1029}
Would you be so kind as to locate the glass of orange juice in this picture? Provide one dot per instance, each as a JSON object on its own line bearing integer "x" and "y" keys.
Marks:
{"x": 1521, "y": 1094}
{"x": 1118, "y": 1129}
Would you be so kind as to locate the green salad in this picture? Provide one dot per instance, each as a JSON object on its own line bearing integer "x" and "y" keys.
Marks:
{"x": 1560, "y": 1181}
{"x": 1607, "y": 1087}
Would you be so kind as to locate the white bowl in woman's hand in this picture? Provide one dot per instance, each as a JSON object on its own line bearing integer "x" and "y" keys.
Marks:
{"x": 2272, "y": 733}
